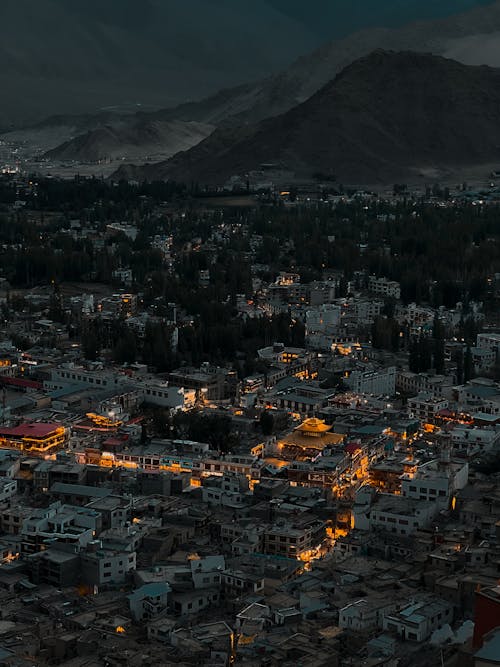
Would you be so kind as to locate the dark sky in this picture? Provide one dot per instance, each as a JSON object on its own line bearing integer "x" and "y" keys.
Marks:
{"x": 333, "y": 18}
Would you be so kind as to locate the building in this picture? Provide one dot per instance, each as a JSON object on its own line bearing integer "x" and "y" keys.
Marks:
{"x": 364, "y": 615}
{"x": 55, "y": 567}
{"x": 378, "y": 382}
{"x": 167, "y": 396}
{"x": 426, "y": 408}
{"x": 106, "y": 567}
{"x": 230, "y": 490}
{"x": 293, "y": 540}
{"x": 75, "y": 526}
{"x": 436, "y": 482}
{"x": 486, "y": 613}
{"x": 417, "y": 620}
{"x": 489, "y": 653}
{"x": 386, "y": 288}
{"x": 34, "y": 437}
{"x": 391, "y": 513}
{"x": 308, "y": 440}
{"x": 149, "y": 601}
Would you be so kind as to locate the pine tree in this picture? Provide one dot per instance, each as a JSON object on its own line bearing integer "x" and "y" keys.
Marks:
{"x": 468, "y": 365}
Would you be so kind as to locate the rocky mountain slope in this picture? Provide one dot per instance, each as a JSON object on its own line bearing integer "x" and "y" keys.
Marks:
{"x": 472, "y": 37}
{"x": 387, "y": 116}
{"x": 146, "y": 139}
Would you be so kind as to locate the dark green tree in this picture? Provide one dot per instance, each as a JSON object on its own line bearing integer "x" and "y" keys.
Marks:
{"x": 267, "y": 422}
{"x": 468, "y": 365}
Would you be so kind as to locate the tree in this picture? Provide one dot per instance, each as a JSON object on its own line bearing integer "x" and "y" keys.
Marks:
{"x": 438, "y": 345}
{"x": 460, "y": 367}
{"x": 468, "y": 365}
{"x": 125, "y": 350}
{"x": 90, "y": 346}
{"x": 267, "y": 422}
{"x": 439, "y": 356}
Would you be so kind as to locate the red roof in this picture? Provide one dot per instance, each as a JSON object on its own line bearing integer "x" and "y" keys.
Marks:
{"x": 21, "y": 382}
{"x": 352, "y": 448}
{"x": 446, "y": 413}
{"x": 115, "y": 442}
{"x": 30, "y": 430}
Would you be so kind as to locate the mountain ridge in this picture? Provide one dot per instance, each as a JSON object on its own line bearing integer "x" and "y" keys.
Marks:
{"x": 387, "y": 115}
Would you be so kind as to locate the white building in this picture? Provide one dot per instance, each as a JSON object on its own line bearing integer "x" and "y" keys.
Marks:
{"x": 384, "y": 287}
{"x": 489, "y": 341}
{"x": 149, "y": 601}
{"x": 473, "y": 440}
{"x": 418, "y": 620}
{"x": 391, "y": 513}
{"x": 8, "y": 488}
{"x": 425, "y": 407}
{"x": 439, "y": 386}
{"x": 167, "y": 396}
{"x": 436, "y": 482}
{"x": 364, "y": 615}
{"x": 322, "y": 324}
{"x": 376, "y": 382}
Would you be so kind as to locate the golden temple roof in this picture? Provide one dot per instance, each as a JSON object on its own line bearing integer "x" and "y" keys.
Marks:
{"x": 313, "y": 426}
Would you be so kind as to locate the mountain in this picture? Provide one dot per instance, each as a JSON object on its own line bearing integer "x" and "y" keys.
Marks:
{"x": 472, "y": 37}
{"x": 144, "y": 139}
{"x": 387, "y": 116}
{"x": 61, "y": 56}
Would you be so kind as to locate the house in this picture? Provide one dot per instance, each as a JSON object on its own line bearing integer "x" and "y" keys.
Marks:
{"x": 149, "y": 601}
{"x": 364, "y": 615}
{"x": 101, "y": 566}
{"x": 416, "y": 621}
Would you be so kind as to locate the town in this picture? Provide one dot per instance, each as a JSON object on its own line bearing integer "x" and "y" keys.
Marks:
{"x": 249, "y": 427}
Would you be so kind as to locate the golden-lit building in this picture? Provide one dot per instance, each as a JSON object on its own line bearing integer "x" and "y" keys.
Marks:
{"x": 34, "y": 437}
{"x": 308, "y": 440}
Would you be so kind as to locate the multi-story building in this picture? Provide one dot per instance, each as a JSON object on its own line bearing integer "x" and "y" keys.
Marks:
{"x": 293, "y": 540}
{"x": 168, "y": 396}
{"x": 67, "y": 524}
{"x": 34, "y": 437}
{"x": 149, "y": 601}
{"x": 364, "y": 615}
{"x": 101, "y": 566}
{"x": 436, "y": 482}
{"x": 384, "y": 287}
{"x": 378, "y": 382}
{"x": 425, "y": 407}
{"x": 418, "y": 620}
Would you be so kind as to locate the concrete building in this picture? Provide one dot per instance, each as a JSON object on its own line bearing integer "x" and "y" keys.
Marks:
{"x": 436, "y": 482}
{"x": 425, "y": 407}
{"x": 384, "y": 287}
{"x": 104, "y": 567}
{"x": 378, "y": 382}
{"x": 417, "y": 620}
{"x": 149, "y": 601}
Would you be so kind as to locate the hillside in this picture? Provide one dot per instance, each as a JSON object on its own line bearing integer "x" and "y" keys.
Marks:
{"x": 385, "y": 117}
{"x": 472, "y": 37}
{"x": 142, "y": 139}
